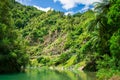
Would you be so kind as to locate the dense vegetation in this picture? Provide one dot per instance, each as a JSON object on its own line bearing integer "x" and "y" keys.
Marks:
{"x": 12, "y": 52}
{"x": 90, "y": 39}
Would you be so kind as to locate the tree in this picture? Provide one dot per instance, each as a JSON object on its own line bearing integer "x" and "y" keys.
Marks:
{"x": 100, "y": 26}
{"x": 113, "y": 20}
{"x": 114, "y": 15}
{"x": 12, "y": 53}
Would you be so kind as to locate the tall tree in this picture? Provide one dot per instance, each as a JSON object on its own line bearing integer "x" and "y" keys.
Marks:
{"x": 100, "y": 25}
{"x": 12, "y": 55}
{"x": 114, "y": 21}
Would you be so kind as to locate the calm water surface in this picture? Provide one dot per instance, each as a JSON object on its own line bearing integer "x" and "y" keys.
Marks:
{"x": 47, "y": 74}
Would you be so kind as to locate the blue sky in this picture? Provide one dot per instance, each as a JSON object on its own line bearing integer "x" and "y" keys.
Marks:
{"x": 67, "y": 6}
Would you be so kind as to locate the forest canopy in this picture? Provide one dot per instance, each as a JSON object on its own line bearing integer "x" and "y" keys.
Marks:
{"x": 32, "y": 37}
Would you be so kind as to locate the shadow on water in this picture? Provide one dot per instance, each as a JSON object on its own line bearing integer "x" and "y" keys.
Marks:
{"x": 47, "y": 74}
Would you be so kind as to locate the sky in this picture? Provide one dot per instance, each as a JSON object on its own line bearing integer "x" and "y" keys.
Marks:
{"x": 67, "y": 6}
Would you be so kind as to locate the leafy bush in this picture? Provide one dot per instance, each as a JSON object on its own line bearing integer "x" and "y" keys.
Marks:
{"x": 105, "y": 74}
{"x": 43, "y": 60}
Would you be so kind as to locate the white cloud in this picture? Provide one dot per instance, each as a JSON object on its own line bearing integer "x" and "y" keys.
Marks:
{"x": 43, "y": 9}
{"x": 85, "y": 8}
{"x": 68, "y": 4}
{"x": 21, "y": 1}
{"x": 26, "y": 2}
{"x": 55, "y": 0}
{"x": 69, "y": 12}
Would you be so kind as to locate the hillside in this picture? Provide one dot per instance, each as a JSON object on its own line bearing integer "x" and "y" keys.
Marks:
{"x": 54, "y": 35}
{"x": 85, "y": 41}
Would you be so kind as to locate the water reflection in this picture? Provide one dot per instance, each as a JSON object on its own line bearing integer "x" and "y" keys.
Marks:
{"x": 47, "y": 74}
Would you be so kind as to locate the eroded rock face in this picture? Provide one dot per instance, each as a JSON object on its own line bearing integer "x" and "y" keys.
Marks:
{"x": 115, "y": 78}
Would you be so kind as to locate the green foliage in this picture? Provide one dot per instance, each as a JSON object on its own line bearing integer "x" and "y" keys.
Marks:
{"x": 106, "y": 62}
{"x": 33, "y": 63}
{"x": 115, "y": 48}
{"x": 23, "y": 14}
{"x": 62, "y": 59}
{"x": 71, "y": 61}
{"x": 43, "y": 60}
{"x": 114, "y": 14}
{"x": 92, "y": 37}
{"x": 108, "y": 38}
{"x": 115, "y": 44}
{"x": 105, "y": 74}
{"x": 12, "y": 53}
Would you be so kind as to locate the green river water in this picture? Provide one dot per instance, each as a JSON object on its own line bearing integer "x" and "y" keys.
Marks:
{"x": 48, "y": 74}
